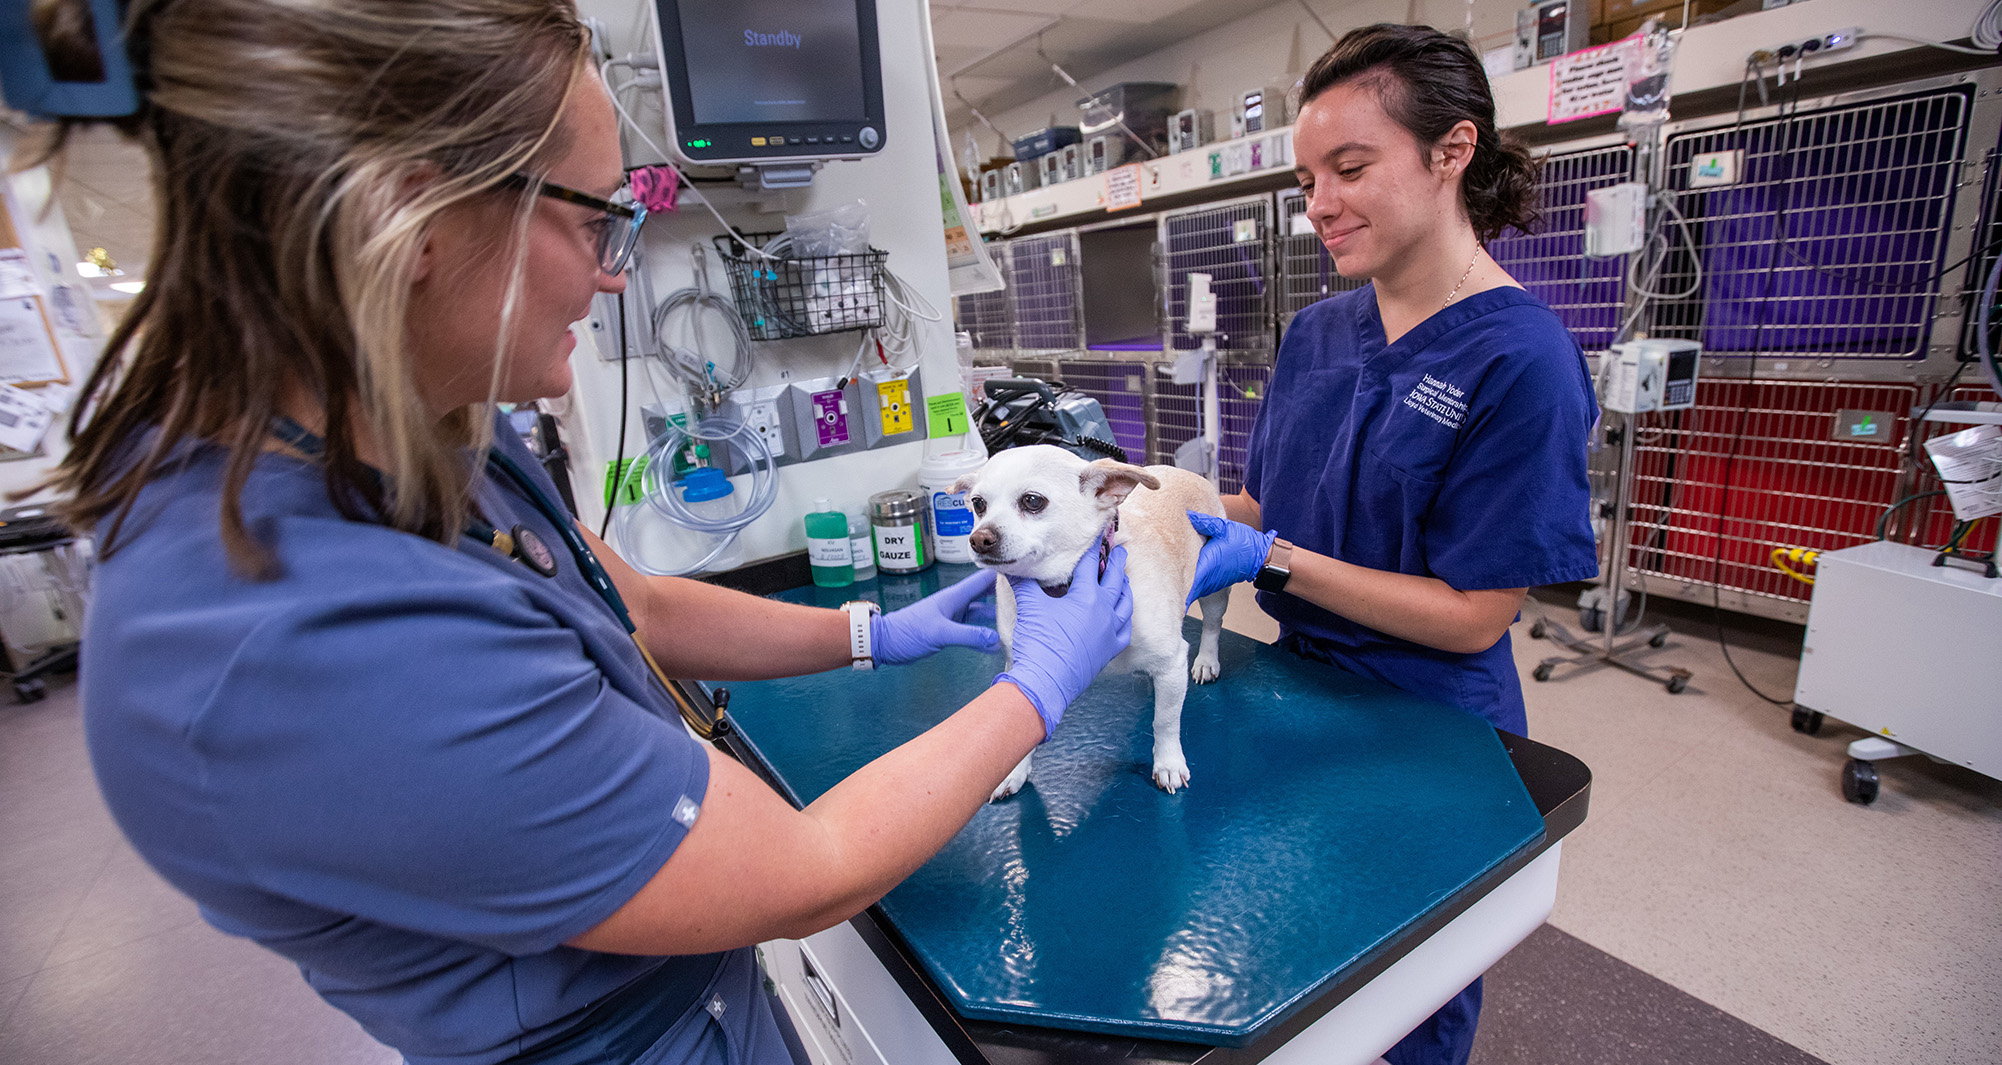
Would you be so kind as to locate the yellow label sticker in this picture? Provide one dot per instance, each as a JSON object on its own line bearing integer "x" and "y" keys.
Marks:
{"x": 893, "y": 401}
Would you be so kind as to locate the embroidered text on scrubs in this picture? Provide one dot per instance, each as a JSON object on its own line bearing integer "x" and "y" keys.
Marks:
{"x": 1438, "y": 401}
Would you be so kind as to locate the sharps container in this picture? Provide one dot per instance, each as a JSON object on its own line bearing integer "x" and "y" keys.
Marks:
{"x": 901, "y": 523}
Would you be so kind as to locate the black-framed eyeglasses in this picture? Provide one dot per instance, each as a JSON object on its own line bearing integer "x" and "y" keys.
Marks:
{"x": 618, "y": 230}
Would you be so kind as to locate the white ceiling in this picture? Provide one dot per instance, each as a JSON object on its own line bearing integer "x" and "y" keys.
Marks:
{"x": 987, "y": 50}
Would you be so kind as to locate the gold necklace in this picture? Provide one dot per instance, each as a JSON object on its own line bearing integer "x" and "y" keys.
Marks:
{"x": 1463, "y": 278}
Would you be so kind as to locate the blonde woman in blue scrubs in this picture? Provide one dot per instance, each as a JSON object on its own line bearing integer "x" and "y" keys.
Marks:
{"x": 322, "y": 698}
{"x": 1420, "y": 460}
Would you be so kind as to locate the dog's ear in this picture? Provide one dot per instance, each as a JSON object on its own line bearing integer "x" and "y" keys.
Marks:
{"x": 965, "y": 482}
{"x": 1111, "y": 482}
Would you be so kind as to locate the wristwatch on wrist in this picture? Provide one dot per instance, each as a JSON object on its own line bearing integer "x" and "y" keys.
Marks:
{"x": 1278, "y": 567}
{"x": 861, "y": 633}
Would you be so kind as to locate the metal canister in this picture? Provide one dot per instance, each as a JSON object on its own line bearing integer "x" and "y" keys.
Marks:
{"x": 901, "y": 524}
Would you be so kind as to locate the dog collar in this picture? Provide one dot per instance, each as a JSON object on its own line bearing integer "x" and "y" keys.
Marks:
{"x": 1105, "y": 545}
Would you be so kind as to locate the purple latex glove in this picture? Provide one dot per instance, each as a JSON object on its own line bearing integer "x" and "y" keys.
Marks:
{"x": 933, "y": 623}
{"x": 1232, "y": 552}
{"x": 1062, "y": 642}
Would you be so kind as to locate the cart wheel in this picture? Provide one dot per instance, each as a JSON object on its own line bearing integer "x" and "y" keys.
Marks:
{"x": 1806, "y": 721}
{"x": 30, "y": 691}
{"x": 1591, "y": 619}
{"x": 1541, "y": 672}
{"x": 1677, "y": 683}
{"x": 1538, "y": 631}
{"x": 1659, "y": 639}
{"x": 1859, "y": 782}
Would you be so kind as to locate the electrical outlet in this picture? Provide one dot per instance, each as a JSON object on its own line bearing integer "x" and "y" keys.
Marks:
{"x": 893, "y": 406}
{"x": 762, "y": 416}
{"x": 830, "y": 417}
{"x": 1808, "y": 48}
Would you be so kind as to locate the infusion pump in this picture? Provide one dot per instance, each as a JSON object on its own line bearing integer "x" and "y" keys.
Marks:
{"x": 1647, "y": 375}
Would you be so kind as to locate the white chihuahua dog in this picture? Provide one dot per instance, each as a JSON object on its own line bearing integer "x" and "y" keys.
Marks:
{"x": 1041, "y": 508}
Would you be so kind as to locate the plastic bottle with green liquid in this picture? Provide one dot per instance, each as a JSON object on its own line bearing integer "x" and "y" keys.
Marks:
{"x": 827, "y": 546}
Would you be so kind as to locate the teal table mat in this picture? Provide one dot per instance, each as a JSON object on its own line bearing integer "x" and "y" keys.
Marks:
{"x": 1325, "y": 816}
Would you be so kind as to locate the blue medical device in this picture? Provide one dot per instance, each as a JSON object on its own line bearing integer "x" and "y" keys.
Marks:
{"x": 101, "y": 88}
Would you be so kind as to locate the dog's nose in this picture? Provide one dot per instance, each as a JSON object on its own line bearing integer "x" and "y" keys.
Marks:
{"x": 984, "y": 539}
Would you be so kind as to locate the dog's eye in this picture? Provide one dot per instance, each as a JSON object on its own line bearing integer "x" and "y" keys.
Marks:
{"x": 1032, "y": 503}
{"x": 979, "y": 506}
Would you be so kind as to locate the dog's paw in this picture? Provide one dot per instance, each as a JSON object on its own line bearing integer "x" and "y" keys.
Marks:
{"x": 1171, "y": 774}
{"x": 1205, "y": 669}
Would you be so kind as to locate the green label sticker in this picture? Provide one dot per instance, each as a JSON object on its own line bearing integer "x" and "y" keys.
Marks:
{"x": 945, "y": 415}
{"x": 626, "y": 478}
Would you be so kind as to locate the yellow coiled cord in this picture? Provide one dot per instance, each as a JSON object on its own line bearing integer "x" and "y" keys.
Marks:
{"x": 1786, "y": 558}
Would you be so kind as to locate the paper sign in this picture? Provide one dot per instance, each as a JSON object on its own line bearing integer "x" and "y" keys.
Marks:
{"x": 1593, "y": 81}
{"x": 945, "y": 415}
{"x": 1122, "y": 187}
{"x": 17, "y": 278}
{"x": 1712, "y": 169}
{"x": 23, "y": 419}
{"x": 627, "y": 480}
{"x": 27, "y": 351}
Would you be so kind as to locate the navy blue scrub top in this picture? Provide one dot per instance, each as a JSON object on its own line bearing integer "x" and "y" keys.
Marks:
{"x": 1457, "y": 452}
{"x": 415, "y": 770}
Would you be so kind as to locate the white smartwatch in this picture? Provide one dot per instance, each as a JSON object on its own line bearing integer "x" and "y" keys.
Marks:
{"x": 861, "y": 639}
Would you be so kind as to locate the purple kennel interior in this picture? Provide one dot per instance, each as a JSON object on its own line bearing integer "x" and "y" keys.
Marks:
{"x": 1830, "y": 242}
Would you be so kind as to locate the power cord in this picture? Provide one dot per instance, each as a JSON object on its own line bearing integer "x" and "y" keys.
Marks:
{"x": 641, "y": 62}
{"x": 625, "y": 386}
{"x": 1921, "y": 41}
{"x": 1745, "y": 407}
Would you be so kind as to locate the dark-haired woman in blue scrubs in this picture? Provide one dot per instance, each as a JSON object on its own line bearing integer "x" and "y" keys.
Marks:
{"x": 1419, "y": 461}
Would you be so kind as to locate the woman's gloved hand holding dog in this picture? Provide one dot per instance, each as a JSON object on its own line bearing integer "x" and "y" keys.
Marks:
{"x": 1061, "y": 642}
{"x": 1232, "y": 552}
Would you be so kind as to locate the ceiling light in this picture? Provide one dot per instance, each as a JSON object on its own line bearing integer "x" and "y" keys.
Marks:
{"x": 132, "y": 287}
{"x": 98, "y": 263}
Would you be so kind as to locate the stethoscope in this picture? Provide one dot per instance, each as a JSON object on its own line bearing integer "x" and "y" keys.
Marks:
{"x": 523, "y": 545}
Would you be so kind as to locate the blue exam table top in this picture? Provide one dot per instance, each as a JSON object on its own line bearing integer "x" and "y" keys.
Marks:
{"x": 1330, "y": 824}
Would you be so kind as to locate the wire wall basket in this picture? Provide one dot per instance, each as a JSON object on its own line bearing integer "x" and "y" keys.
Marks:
{"x": 803, "y": 296}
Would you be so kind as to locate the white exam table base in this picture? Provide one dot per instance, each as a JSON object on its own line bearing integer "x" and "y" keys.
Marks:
{"x": 879, "y": 1025}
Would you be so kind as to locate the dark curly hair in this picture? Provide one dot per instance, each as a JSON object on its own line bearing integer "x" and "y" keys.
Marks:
{"x": 1428, "y": 82}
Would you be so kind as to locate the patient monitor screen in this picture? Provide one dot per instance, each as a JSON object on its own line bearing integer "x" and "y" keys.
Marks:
{"x": 772, "y": 60}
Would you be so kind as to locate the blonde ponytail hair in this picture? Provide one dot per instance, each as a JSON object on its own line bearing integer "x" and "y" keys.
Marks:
{"x": 301, "y": 152}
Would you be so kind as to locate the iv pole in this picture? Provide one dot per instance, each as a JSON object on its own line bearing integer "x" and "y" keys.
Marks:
{"x": 1613, "y": 649}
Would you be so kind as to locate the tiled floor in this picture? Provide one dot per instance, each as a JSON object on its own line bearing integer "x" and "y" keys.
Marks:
{"x": 1719, "y": 860}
